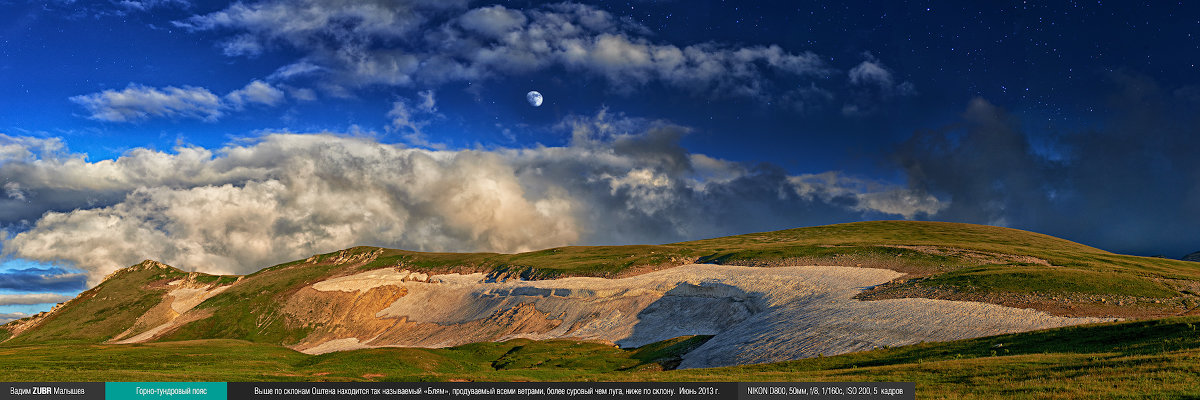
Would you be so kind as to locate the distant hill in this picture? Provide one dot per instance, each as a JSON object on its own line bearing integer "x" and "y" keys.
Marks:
{"x": 1194, "y": 257}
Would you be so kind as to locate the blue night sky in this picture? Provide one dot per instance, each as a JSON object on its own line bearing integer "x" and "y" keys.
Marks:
{"x": 224, "y": 137}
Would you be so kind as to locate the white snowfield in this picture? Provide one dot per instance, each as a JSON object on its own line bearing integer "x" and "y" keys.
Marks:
{"x": 756, "y": 314}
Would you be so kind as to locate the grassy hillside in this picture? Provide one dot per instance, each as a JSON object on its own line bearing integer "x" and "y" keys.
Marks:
{"x": 943, "y": 260}
{"x": 920, "y": 247}
{"x": 243, "y": 337}
{"x": 1114, "y": 360}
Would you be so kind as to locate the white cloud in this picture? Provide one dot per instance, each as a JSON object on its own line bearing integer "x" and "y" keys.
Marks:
{"x": 287, "y": 196}
{"x": 426, "y": 101}
{"x": 293, "y": 70}
{"x": 403, "y": 44}
{"x": 870, "y": 72}
{"x": 320, "y": 193}
{"x": 302, "y": 94}
{"x": 871, "y": 83}
{"x": 137, "y": 103}
{"x": 410, "y": 119}
{"x": 255, "y": 92}
{"x": 870, "y": 196}
{"x": 13, "y": 191}
{"x": 301, "y": 22}
{"x": 242, "y": 45}
{"x": 18, "y": 148}
{"x": 31, "y": 299}
{"x": 494, "y": 22}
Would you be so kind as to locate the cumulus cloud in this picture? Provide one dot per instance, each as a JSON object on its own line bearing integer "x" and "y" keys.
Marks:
{"x": 24, "y": 148}
{"x": 321, "y": 192}
{"x": 138, "y": 103}
{"x": 31, "y": 299}
{"x": 42, "y": 279}
{"x": 286, "y": 196}
{"x": 403, "y": 44}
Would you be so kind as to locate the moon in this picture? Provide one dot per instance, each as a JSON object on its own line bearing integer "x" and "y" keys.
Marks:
{"x": 535, "y": 98}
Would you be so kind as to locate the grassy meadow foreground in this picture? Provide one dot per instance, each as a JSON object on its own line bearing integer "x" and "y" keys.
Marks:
{"x": 1126, "y": 359}
{"x": 248, "y": 328}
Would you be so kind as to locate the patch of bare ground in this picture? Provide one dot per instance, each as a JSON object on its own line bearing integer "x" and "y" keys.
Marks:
{"x": 1063, "y": 305}
{"x": 341, "y": 314}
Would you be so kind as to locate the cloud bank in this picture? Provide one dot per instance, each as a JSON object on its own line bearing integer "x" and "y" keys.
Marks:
{"x": 42, "y": 279}
{"x": 286, "y": 196}
{"x": 32, "y": 299}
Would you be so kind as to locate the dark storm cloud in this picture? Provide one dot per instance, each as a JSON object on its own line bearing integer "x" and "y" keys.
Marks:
{"x": 1132, "y": 185}
{"x": 42, "y": 279}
